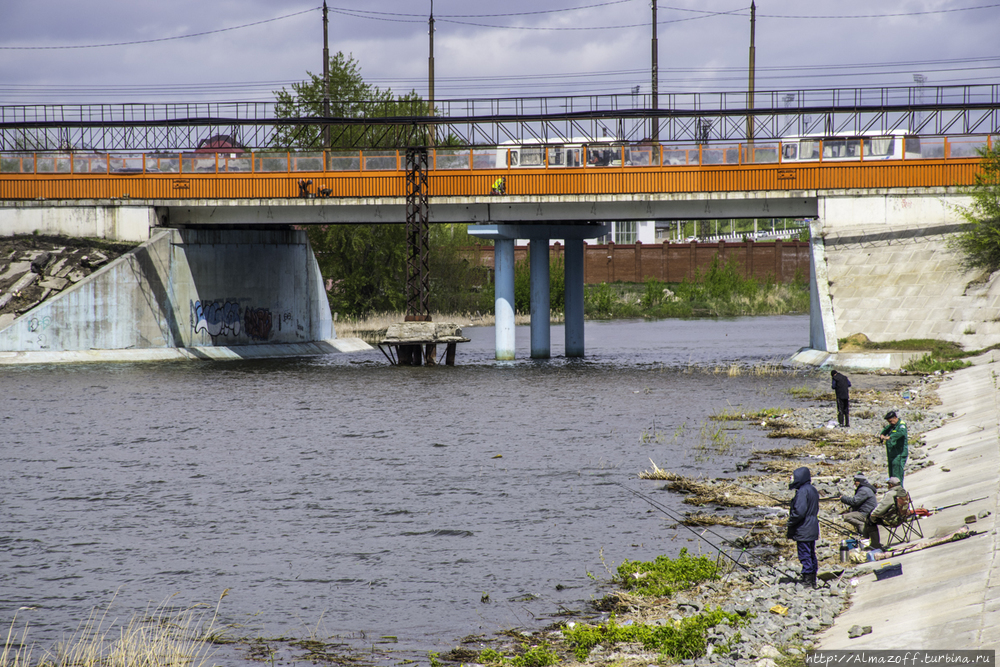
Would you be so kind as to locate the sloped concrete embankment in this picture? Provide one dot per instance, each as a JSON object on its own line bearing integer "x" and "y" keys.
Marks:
{"x": 883, "y": 267}
{"x": 187, "y": 294}
{"x": 948, "y": 597}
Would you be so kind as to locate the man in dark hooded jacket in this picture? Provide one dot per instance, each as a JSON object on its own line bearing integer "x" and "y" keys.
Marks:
{"x": 861, "y": 503}
{"x": 803, "y": 523}
{"x": 841, "y": 389}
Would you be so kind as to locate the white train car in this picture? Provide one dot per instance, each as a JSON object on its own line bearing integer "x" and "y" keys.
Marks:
{"x": 844, "y": 147}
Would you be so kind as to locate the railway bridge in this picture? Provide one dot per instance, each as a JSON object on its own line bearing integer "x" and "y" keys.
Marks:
{"x": 213, "y": 215}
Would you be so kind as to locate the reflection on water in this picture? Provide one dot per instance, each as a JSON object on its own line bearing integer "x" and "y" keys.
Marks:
{"x": 343, "y": 496}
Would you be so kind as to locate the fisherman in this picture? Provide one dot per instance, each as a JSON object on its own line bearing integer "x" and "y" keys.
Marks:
{"x": 887, "y": 512}
{"x": 894, "y": 437}
{"x": 840, "y": 385}
{"x": 861, "y": 503}
{"x": 803, "y": 523}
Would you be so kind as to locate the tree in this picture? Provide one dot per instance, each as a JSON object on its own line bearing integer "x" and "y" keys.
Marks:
{"x": 350, "y": 97}
{"x": 979, "y": 241}
{"x": 365, "y": 263}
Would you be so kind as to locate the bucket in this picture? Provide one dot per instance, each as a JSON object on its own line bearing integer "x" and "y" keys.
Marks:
{"x": 851, "y": 544}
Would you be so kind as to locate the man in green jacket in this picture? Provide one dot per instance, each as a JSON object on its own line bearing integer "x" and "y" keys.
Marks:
{"x": 894, "y": 437}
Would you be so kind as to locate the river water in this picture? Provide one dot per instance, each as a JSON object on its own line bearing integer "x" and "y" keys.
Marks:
{"x": 339, "y": 496}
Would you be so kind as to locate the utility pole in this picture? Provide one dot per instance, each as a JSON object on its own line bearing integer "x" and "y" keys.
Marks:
{"x": 753, "y": 54}
{"x": 656, "y": 80}
{"x": 430, "y": 74}
{"x": 326, "y": 77}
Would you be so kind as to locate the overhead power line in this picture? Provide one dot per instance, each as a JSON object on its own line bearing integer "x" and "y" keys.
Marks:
{"x": 158, "y": 39}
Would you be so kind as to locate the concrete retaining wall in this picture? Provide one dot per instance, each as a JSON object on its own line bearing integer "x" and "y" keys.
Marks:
{"x": 81, "y": 220}
{"x": 890, "y": 274}
{"x": 187, "y": 288}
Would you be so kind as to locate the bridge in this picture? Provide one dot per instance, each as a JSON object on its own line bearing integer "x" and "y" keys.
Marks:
{"x": 683, "y": 161}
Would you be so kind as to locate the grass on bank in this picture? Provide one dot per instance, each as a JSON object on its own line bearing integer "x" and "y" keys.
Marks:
{"x": 162, "y": 637}
{"x": 720, "y": 292}
{"x": 940, "y": 355}
{"x": 684, "y": 639}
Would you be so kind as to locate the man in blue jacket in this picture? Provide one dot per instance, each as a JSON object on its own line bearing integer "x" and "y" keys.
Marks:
{"x": 803, "y": 523}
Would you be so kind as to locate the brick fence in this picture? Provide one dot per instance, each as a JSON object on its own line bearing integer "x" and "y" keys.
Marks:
{"x": 673, "y": 262}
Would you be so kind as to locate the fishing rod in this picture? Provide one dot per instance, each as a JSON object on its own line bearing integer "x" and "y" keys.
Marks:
{"x": 829, "y": 524}
{"x": 938, "y": 509}
{"x": 659, "y": 506}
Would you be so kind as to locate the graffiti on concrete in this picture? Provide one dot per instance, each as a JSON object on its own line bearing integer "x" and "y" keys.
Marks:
{"x": 217, "y": 319}
{"x": 39, "y": 324}
{"x": 257, "y": 323}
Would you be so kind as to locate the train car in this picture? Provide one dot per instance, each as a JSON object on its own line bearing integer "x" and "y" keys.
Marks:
{"x": 892, "y": 145}
{"x": 575, "y": 153}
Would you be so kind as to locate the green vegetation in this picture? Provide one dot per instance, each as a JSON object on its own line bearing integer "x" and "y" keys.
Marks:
{"x": 665, "y": 576}
{"x": 753, "y": 416}
{"x": 681, "y": 640}
{"x": 720, "y": 292}
{"x": 349, "y": 97}
{"x": 530, "y": 656}
{"x": 979, "y": 242}
{"x": 941, "y": 355}
{"x": 367, "y": 263}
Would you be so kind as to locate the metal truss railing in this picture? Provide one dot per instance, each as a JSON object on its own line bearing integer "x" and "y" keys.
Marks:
{"x": 679, "y": 117}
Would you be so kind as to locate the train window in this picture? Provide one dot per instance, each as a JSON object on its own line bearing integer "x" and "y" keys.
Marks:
{"x": 912, "y": 145}
{"x": 879, "y": 147}
{"x": 789, "y": 151}
{"x": 808, "y": 149}
{"x": 532, "y": 157}
{"x": 556, "y": 155}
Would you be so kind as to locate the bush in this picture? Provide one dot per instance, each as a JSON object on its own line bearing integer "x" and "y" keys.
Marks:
{"x": 682, "y": 640}
{"x": 979, "y": 242}
{"x": 530, "y": 656}
{"x": 665, "y": 576}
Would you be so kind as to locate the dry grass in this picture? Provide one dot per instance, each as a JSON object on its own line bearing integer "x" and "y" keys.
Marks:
{"x": 372, "y": 328}
{"x": 162, "y": 637}
{"x": 722, "y": 493}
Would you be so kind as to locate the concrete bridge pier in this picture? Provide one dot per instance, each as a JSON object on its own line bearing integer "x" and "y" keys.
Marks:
{"x": 539, "y": 236}
{"x": 503, "y": 303}
{"x": 540, "y": 308}
{"x": 574, "y": 298}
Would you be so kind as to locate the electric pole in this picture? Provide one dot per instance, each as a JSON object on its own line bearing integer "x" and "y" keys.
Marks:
{"x": 430, "y": 74}
{"x": 753, "y": 54}
{"x": 326, "y": 77}
{"x": 656, "y": 80}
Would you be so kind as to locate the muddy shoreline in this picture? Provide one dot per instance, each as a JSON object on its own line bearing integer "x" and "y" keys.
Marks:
{"x": 782, "y": 618}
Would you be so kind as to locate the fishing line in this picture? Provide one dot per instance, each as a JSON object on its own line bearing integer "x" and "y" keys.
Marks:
{"x": 830, "y": 524}
{"x": 701, "y": 536}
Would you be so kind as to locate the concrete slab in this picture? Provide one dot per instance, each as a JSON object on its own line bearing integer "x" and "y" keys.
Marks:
{"x": 948, "y": 596}
{"x": 219, "y": 353}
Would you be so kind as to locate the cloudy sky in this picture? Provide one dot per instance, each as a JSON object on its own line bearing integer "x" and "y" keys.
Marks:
{"x": 56, "y": 51}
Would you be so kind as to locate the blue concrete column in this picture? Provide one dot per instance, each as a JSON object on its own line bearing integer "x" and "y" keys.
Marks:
{"x": 503, "y": 282}
{"x": 574, "y": 297}
{"x": 540, "y": 347}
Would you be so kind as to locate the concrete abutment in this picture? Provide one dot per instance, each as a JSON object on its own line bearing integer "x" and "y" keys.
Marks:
{"x": 208, "y": 293}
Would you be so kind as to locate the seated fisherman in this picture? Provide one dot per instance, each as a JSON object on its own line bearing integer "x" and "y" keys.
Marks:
{"x": 887, "y": 512}
{"x": 861, "y": 504}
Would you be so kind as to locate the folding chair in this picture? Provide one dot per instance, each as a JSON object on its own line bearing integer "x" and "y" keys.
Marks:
{"x": 904, "y": 524}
